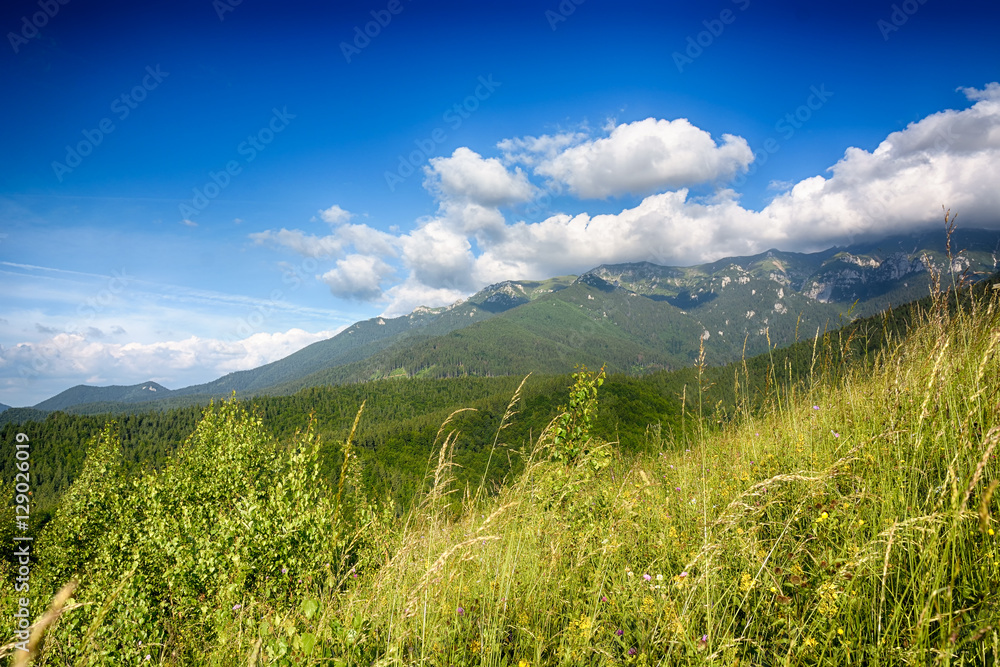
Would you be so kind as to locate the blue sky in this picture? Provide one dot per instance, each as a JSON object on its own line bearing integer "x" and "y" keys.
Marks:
{"x": 192, "y": 188}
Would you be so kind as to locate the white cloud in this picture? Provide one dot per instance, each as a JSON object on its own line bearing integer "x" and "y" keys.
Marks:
{"x": 367, "y": 240}
{"x": 406, "y": 296}
{"x": 189, "y": 223}
{"x": 467, "y": 176}
{"x": 646, "y": 156}
{"x": 358, "y": 277}
{"x": 308, "y": 245}
{"x": 335, "y": 215}
{"x": 530, "y": 150}
{"x": 990, "y": 91}
{"x": 439, "y": 257}
{"x": 66, "y": 359}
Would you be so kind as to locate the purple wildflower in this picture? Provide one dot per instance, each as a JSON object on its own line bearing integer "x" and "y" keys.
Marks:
{"x": 461, "y": 611}
{"x": 631, "y": 650}
{"x": 619, "y": 632}
{"x": 646, "y": 577}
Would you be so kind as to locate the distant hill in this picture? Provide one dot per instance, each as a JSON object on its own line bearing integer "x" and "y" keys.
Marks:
{"x": 4, "y": 407}
{"x": 634, "y": 317}
{"x": 82, "y": 393}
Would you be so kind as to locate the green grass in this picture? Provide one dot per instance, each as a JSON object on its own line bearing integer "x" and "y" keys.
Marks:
{"x": 847, "y": 522}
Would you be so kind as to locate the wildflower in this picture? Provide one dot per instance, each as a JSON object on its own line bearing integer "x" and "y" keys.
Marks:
{"x": 461, "y": 611}
{"x": 523, "y": 663}
{"x": 815, "y": 407}
{"x": 631, "y": 650}
{"x": 840, "y": 631}
{"x": 677, "y": 488}
{"x": 237, "y": 606}
{"x": 619, "y": 632}
{"x": 604, "y": 598}
{"x": 835, "y": 434}
{"x": 659, "y": 577}
{"x": 824, "y": 515}
{"x": 704, "y": 638}
{"x": 646, "y": 577}
{"x": 990, "y": 532}
{"x": 284, "y": 570}
{"x": 810, "y": 642}
{"x": 683, "y": 574}
{"x": 148, "y": 657}
{"x": 773, "y": 589}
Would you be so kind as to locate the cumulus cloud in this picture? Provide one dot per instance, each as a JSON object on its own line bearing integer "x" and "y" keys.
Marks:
{"x": 335, "y": 215}
{"x": 410, "y": 294}
{"x": 308, "y": 245}
{"x": 66, "y": 357}
{"x": 990, "y": 91}
{"x": 948, "y": 158}
{"x": 467, "y": 176}
{"x": 531, "y": 150}
{"x": 646, "y": 156}
{"x": 439, "y": 257}
{"x": 358, "y": 277}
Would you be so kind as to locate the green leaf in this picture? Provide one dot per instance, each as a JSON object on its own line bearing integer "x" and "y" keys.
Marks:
{"x": 308, "y": 641}
{"x": 309, "y": 608}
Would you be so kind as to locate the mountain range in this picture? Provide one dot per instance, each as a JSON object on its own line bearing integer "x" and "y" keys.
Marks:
{"x": 632, "y": 318}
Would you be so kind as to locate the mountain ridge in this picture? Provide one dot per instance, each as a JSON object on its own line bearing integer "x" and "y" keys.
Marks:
{"x": 636, "y": 316}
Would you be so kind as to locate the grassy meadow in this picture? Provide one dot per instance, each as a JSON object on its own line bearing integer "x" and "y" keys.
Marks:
{"x": 845, "y": 519}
